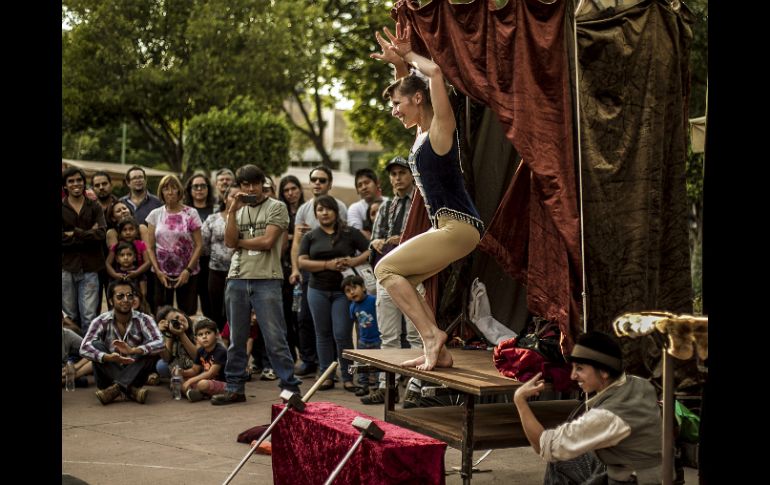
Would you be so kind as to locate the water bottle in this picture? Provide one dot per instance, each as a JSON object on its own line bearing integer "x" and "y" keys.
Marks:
{"x": 69, "y": 382}
{"x": 176, "y": 383}
{"x": 297, "y": 298}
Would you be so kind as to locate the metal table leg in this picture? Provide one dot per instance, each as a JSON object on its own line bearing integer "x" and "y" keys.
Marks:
{"x": 467, "y": 465}
{"x": 390, "y": 392}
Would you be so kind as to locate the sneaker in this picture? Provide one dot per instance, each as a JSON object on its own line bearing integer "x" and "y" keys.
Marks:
{"x": 227, "y": 397}
{"x": 268, "y": 375}
{"x": 376, "y": 397}
{"x": 305, "y": 369}
{"x": 412, "y": 399}
{"x": 153, "y": 379}
{"x": 138, "y": 394}
{"x": 108, "y": 394}
{"x": 194, "y": 395}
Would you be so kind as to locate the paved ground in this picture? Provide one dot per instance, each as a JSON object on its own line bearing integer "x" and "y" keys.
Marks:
{"x": 178, "y": 442}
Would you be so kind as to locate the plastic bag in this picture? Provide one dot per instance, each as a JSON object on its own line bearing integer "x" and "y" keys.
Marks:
{"x": 688, "y": 422}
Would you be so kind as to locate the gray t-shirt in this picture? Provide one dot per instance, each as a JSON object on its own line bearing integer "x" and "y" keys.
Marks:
{"x": 252, "y": 222}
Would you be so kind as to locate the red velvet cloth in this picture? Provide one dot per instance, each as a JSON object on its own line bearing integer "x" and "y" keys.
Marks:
{"x": 308, "y": 446}
{"x": 522, "y": 364}
{"x": 513, "y": 59}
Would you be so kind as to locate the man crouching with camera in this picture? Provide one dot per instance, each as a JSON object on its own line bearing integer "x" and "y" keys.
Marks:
{"x": 179, "y": 347}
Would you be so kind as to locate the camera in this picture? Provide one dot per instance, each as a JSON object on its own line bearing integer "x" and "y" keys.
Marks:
{"x": 175, "y": 324}
{"x": 249, "y": 198}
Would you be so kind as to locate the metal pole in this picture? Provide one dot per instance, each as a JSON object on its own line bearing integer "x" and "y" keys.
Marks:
{"x": 580, "y": 168}
{"x": 344, "y": 460}
{"x": 255, "y": 446}
{"x": 668, "y": 418}
{"x": 269, "y": 429}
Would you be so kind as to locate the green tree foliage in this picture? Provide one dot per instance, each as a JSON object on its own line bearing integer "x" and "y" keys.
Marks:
{"x": 697, "y": 108}
{"x": 237, "y": 135}
{"x": 364, "y": 78}
{"x": 129, "y": 60}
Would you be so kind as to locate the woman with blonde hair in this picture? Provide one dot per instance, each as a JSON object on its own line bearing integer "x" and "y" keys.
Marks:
{"x": 174, "y": 244}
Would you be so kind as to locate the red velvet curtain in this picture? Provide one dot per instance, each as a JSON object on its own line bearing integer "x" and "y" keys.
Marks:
{"x": 512, "y": 58}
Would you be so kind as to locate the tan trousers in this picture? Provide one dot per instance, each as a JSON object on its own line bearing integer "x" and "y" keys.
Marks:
{"x": 425, "y": 255}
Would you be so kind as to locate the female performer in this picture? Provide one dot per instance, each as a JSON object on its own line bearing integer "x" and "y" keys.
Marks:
{"x": 420, "y": 99}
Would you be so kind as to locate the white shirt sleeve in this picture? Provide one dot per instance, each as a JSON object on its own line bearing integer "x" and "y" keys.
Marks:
{"x": 356, "y": 214}
{"x": 596, "y": 429}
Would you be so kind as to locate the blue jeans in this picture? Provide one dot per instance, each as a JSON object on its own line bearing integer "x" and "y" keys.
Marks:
{"x": 264, "y": 297}
{"x": 80, "y": 297}
{"x": 331, "y": 316}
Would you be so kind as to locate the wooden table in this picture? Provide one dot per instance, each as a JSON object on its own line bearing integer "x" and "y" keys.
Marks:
{"x": 468, "y": 427}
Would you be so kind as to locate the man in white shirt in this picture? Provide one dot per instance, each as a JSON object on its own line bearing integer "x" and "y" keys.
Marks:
{"x": 368, "y": 188}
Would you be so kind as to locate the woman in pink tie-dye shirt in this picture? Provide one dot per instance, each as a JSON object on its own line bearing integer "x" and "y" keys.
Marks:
{"x": 174, "y": 246}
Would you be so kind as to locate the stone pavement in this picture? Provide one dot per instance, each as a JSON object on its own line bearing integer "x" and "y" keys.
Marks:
{"x": 178, "y": 442}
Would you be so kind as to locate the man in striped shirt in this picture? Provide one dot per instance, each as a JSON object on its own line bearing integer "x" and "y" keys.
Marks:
{"x": 120, "y": 344}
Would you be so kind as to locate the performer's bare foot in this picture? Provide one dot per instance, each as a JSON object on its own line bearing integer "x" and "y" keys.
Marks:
{"x": 433, "y": 348}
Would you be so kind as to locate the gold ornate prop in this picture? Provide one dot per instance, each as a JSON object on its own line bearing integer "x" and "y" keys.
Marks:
{"x": 684, "y": 332}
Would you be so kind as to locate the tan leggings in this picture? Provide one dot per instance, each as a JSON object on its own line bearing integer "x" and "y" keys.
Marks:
{"x": 425, "y": 255}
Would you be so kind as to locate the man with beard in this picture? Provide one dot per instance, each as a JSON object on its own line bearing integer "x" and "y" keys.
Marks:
{"x": 140, "y": 201}
{"x": 120, "y": 344}
{"x": 102, "y": 184}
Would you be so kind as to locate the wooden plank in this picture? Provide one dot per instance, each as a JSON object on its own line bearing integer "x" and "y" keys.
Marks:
{"x": 495, "y": 425}
{"x": 473, "y": 371}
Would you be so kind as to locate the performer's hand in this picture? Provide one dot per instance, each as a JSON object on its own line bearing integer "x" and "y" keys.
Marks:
{"x": 532, "y": 387}
{"x": 387, "y": 54}
{"x": 401, "y": 43}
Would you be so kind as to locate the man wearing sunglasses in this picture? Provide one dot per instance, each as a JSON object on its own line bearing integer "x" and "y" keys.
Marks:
{"x": 121, "y": 344}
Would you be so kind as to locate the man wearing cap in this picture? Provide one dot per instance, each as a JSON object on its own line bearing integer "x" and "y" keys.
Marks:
{"x": 618, "y": 437}
{"x": 386, "y": 235}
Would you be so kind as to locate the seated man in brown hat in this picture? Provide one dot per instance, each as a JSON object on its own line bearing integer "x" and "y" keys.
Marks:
{"x": 617, "y": 439}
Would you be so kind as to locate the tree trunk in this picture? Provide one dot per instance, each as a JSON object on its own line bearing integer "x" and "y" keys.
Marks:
{"x": 162, "y": 137}
{"x": 308, "y": 128}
